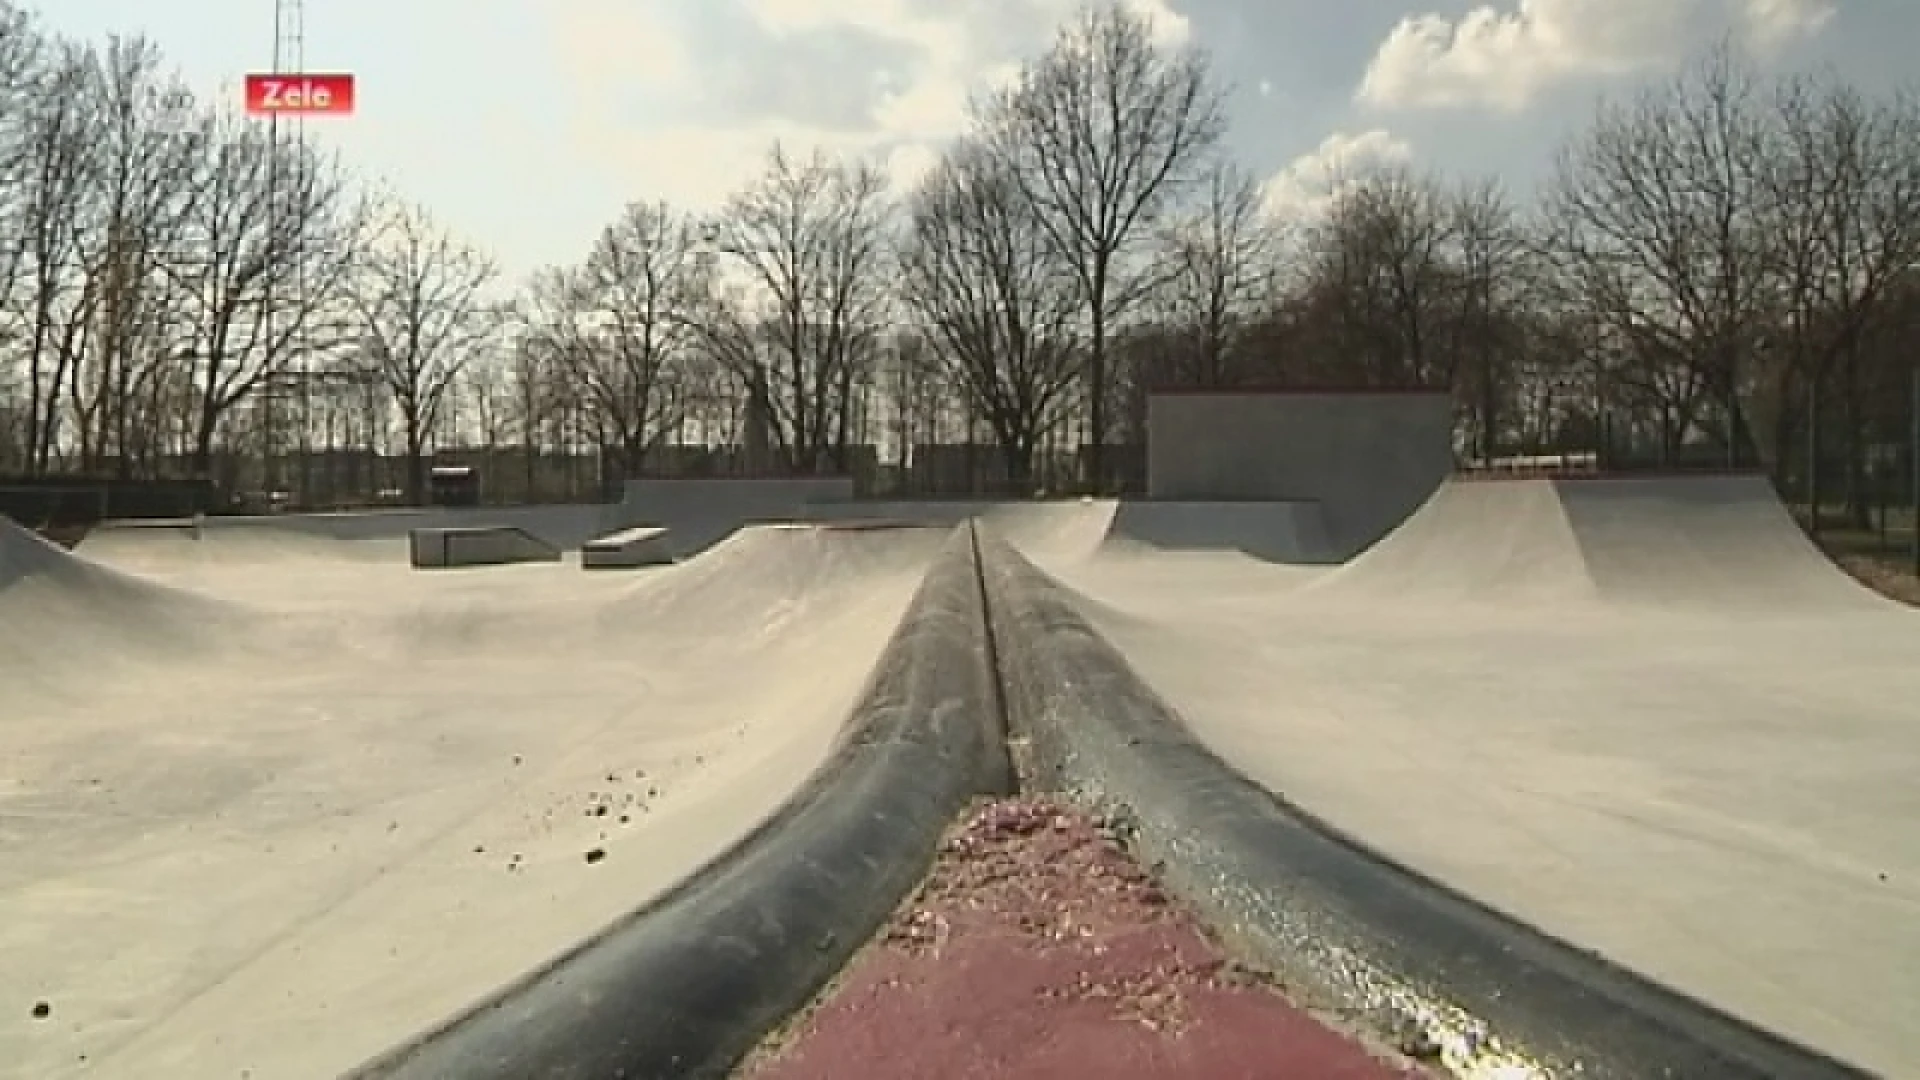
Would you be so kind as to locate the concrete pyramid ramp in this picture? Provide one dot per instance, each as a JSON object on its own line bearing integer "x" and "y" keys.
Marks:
{"x": 1500, "y": 542}
{"x": 1054, "y": 531}
{"x": 764, "y": 576}
{"x": 1720, "y": 541}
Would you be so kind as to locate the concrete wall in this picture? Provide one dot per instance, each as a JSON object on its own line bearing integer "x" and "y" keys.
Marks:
{"x": 1369, "y": 458}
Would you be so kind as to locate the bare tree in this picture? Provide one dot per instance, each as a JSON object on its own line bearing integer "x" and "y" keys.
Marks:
{"x": 1103, "y": 130}
{"x": 532, "y": 383}
{"x": 1221, "y": 256}
{"x": 24, "y": 55}
{"x": 630, "y": 334}
{"x": 998, "y": 301}
{"x": 916, "y": 385}
{"x": 1840, "y": 192}
{"x": 420, "y": 303}
{"x": 1658, "y": 220}
{"x": 1377, "y": 282}
{"x": 145, "y": 194}
{"x": 1493, "y": 256}
{"x": 58, "y": 158}
{"x": 812, "y": 237}
{"x": 265, "y": 217}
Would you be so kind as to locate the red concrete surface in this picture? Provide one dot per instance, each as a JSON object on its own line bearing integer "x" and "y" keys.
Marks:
{"x": 1038, "y": 951}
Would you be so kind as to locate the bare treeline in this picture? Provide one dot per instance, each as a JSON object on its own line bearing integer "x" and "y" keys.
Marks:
{"x": 1722, "y": 266}
{"x": 177, "y": 282}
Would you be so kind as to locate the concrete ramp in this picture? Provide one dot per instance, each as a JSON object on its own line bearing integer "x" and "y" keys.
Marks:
{"x": 699, "y": 513}
{"x": 1493, "y": 541}
{"x": 1064, "y": 531}
{"x": 61, "y": 612}
{"x": 477, "y": 546}
{"x": 763, "y": 576}
{"x": 1704, "y": 543}
{"x": 640, "y": 546}
{"x": 1713, "y": 541}
{"x": 1281, "y": 532}
{"x": 1058, "y": 530}
{"x": 32, "y": 567}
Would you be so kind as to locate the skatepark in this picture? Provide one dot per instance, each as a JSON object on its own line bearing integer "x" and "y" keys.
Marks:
{"x": 1596, "y": 773}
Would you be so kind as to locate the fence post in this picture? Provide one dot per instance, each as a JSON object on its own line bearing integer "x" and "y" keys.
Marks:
{"x": 1913, "y": 462}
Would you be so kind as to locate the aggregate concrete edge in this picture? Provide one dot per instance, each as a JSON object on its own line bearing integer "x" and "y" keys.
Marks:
{"x": 1342, "y": 927}
{"x": 687, "y": 986}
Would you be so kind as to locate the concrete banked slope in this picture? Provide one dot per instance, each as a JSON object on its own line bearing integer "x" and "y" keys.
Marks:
{"x": 318, "y": 801}
{"x": 1643, "y": 715}
{"x": 688, "y": 985}
{"x": 1354, "y": 932}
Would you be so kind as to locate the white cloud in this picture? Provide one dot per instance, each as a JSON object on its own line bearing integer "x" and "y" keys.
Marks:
{"x": 1504, "y": 57}
{"x": 1308, "y": 185}
{"x": 1773, "y": 24}
{"x": 602, "y": 41}
{"x": 957, "y": 51}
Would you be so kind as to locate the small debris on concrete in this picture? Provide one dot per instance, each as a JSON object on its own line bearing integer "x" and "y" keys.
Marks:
{"x": 594, "y": 855}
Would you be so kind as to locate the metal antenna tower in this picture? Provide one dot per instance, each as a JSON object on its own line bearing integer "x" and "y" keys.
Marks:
{"x": 289, "y": 57}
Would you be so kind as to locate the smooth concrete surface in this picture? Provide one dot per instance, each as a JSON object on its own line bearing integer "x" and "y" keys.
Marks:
{"x": 269, "y": 814}
{"x": 477, "y": 546}
{"x": 1369, "y": 458}
{"x": 1641, "y": 715}
{"x": 627, "y": 549}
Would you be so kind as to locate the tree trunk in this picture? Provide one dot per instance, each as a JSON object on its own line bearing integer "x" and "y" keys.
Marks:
{"x": 207, "y": 422}
{"x": 1019, "y": 454}
{"x": 1097, "y": 402}
{"x": 416, "y": 458}
{"x": 1814, "y": 493}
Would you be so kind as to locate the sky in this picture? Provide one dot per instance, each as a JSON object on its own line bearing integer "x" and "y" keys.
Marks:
{"x": 525, "y": 126}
